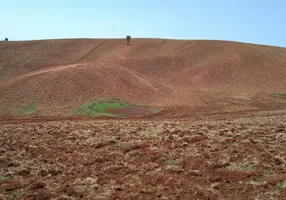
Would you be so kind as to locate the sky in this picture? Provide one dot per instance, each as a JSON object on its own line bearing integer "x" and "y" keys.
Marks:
{"x": 251, "y": 21}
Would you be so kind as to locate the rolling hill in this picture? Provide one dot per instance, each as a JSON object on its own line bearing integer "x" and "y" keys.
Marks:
{"x": 183, "y": 77}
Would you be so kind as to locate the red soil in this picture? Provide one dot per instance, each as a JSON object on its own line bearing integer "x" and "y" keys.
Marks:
{"x": 236, "y": 152}
{"x": 131, "y": 111}
{"x": 183, "y": 77}
{"x": 239, "y": 159}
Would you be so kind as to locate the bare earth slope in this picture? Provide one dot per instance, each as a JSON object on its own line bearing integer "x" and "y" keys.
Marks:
{"x": 178, "y": 75}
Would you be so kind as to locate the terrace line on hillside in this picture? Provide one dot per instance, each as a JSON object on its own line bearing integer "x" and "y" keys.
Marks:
{"x": 184, "y": 77}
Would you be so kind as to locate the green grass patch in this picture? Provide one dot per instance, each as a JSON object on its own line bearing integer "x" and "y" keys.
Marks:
{"x": 257, "y": 182}
{"x": 123, "y": 144}
{"x": 14, "y": 194}
{"x": 280, "y": 185}
{"x": 171, "y": 161}
{"x": 279, "y": 95}
{"x": 100, "y": 107}
{"x": 3, "y": 178}
{"x": 242, "y": 168}
{"x": 29, "y": 109}
{"x": 266, "y": 173}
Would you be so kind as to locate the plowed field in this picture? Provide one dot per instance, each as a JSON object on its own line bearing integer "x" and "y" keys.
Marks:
{"x": 177, "y": 76}
{"x": 180, "y": 119}
{"x": 239, "y": 158}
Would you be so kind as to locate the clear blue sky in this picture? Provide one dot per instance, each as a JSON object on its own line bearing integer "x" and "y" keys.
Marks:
{"x": 254, "y": 21}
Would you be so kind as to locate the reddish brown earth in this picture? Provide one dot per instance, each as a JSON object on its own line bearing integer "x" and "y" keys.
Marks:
{"x": 238, "y": 158}
{"x": 181, "y": 76}
{"x": 131, "y": 111}
{"x": 220, "y": 136}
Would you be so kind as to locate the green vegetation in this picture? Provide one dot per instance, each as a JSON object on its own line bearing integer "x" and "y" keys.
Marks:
{"x": 14, "y": 194}
{"x": 29, "y": 109}
{"x": 100, "y": 107}
{"x": 93, "y": 140}
{"x": 3, "y": 178}
{"x": 242, "y": 168}
{"x": 148, "y": 133}
{"x": 279, "y": 95}
{"x": 123, "y": 143}
{"x": 171, "y": 161}
{"x": 266, "y": 173}
{"x": 258, "y": 182}
{"x": 280, "y": 185}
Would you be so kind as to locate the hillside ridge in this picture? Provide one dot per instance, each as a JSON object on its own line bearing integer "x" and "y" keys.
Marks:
{"x": 165, "y": 73}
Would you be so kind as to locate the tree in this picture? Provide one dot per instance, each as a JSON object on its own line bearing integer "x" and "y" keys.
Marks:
{"x": 6, "y": 39}
{"x": 128, "y": 38}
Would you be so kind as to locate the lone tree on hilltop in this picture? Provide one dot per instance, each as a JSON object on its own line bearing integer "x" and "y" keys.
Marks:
{"x": 128, "y": 38}
{"x": 6, "y": 39}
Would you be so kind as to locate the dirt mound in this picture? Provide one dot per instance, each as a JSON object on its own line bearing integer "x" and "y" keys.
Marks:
{"x": 177, "y": 75}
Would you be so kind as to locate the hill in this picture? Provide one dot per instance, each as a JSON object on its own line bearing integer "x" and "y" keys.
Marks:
{"x": 183, "y": 77}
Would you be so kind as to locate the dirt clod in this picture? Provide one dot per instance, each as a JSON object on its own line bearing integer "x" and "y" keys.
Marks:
{"x": 278, "y": 161}
{"x": 44, "y": 172}
{"x": 195, "y": 173}
{"x": 2, "y": 159}
{"x": 23, "y": 172}
{"x": 11, "y": 185}
{"x": 197, "y": 138}
{"x": 273, "y": 180}
{"x": 38, "y": 185}
{"x": 43, "y": 194}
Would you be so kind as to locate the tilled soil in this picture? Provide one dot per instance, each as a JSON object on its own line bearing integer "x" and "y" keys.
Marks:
{"x": 141, "y": 159}
{"x": 61, "y": 75}
{"x": 132, "y": 111}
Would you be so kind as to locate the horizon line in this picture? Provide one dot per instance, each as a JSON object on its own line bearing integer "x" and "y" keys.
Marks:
{"x": 143, "y": 38}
